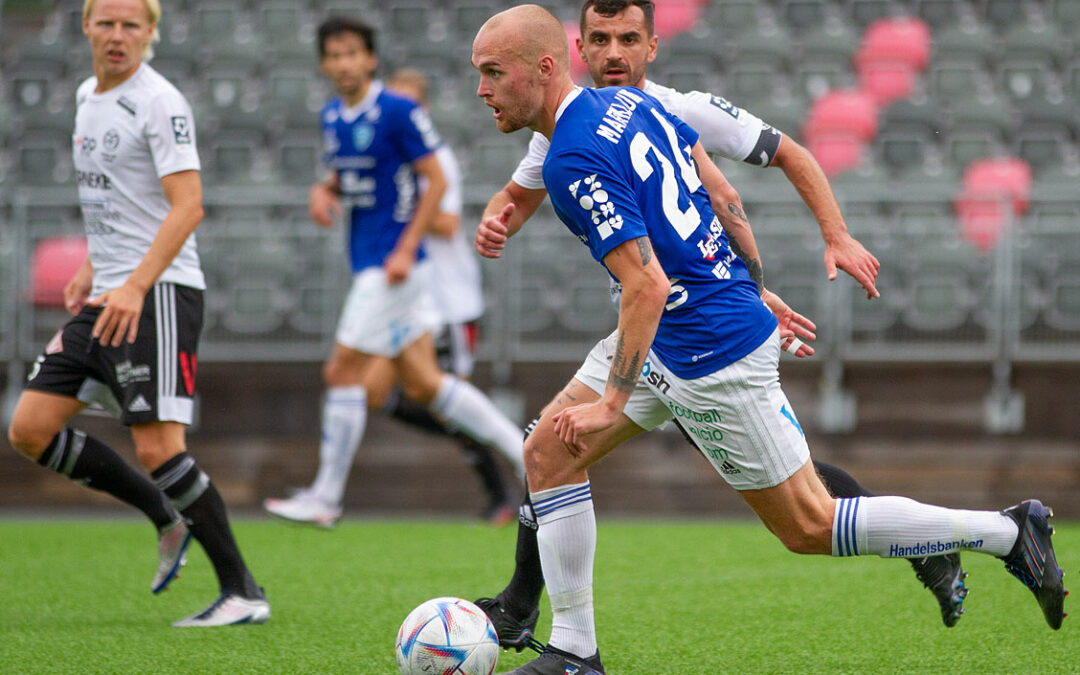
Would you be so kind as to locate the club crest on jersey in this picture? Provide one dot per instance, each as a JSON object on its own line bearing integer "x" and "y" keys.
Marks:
{"x": 362, "y": 136}
{"x": 591, "y": 196}
{"x": 181, "y": 130}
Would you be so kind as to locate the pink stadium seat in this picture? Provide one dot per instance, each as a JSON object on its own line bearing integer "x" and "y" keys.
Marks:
{"x": 899, "y": 38}
{"x": 849, "y": 111}
{"x": 887, "y": 80}
{"x": 55, "y": 262}
{"x": 675, "y": 16}
{"x": 836, "y": 151}
{"x": 992, "y": 188}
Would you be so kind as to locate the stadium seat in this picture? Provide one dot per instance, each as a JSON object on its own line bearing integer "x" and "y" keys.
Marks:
{"x": 768, "y": 40}
{"x": 848, "y": 111}
{"x": 43, "y": 158}
{"x": 887, "y": 80}
{"x": 905, "y": 39}
{"x": 817, "y": 75}
{"x": 982, "y": 113}
{"x": 865, "y": 12}
{"x": 958, "y": 78}
{"x": 286, "y": 30}
{"x": 296, "y": 156}
{"x": 802, "y": 15}
{"x": 1002, "y": 13}
{"x": 783, "y": 110}
{"x": 294, "y": 95}
{"x": 732, "y": 16}
{"x": 836, "y": 151}
{"x": 938, "y": 13}
{"x": 917, "y": 114}
{"x": 1064, "y": 311}
{"x": 964, "y": 147}
{"x": 1057, "y": 114}
{"x": 1036, "y": 40}
{"x": 466, "y": 16}
{"x": 901, "y": 151}
{"x": 234, "y": 158}
{"x": 1023, "y": 77}
{"x": 835, "y": 39}
{"x": 1042, "y": 149}
{"x": 54, "y": 263}
{"x": 675, "y": 16}
{"x": 966, "y": 39}
{"x": 1066, "y": 13}
{"x": 991, "y": 185}
{"x": 748, "y": 80}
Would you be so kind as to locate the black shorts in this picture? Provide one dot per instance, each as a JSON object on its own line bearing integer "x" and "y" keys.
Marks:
{"x": 152, "y": 379}
{"x": 455, "y": 346}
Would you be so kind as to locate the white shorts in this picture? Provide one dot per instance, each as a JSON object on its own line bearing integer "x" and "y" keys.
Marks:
{"x": 383, "y": 319}
{"x": 738, "y": 416}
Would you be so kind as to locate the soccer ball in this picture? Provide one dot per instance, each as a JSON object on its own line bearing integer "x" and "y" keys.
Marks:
{"x": 447, "y": 635}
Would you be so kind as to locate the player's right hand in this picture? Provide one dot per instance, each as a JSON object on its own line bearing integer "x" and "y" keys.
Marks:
{"x": 852, "y": 257}
{"x": 324, "y": 206}
{"x": 492, "y": 233}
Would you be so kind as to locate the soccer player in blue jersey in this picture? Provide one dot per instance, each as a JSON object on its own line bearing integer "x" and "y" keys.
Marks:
{"x": 617, "y": 43}
{"x": 379, "y": 147}
{"x": 634, "y": 184}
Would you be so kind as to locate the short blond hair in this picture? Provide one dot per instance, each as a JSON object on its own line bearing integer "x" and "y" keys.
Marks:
{"x": 153, "y": 9}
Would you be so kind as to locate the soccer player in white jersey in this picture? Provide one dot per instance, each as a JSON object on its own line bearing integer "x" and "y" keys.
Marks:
{"x": 379, "y": 146}
{"x": 137, "y": 303}
{"x": 635, "y": 185}
{"x": 459, "y": 297}
{"x": 617, "y": 43}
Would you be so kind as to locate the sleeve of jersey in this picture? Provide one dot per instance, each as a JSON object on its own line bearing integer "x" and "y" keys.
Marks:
{"x": 418, "y": 134}
{"x": 170, "y": 133}
{"x": 529, "y": 172}
{"x": 729, "y": 130}
{"x": 595, "y": 203}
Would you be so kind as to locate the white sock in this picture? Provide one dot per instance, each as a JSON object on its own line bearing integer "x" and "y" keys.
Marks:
{"x": 567, "y": 541}
{"x": 898, "y": 527}
{"x": 467, "y": 408}
{"x": 344, "y": 418}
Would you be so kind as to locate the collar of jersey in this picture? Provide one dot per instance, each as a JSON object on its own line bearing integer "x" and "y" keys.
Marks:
{"x": 567, "y": 101}
{"x": 353, "y": 113}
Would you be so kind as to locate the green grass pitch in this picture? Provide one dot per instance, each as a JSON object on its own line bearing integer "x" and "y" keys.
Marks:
{"x": 671, "y": 597}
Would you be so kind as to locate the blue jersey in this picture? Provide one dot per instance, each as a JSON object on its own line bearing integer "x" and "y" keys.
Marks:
{"x": 371, "y": 147}
{"x": 619, "y": 168}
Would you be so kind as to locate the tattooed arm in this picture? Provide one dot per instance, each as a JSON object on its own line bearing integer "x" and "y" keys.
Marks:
{"x": 645, "y": 289}
{"x": 727, "y": 205}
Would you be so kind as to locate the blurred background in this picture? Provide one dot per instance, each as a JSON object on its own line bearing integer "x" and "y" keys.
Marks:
{"x": 949, "y": 130}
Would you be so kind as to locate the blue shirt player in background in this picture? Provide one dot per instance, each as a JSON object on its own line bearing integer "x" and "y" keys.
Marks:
{"x": 377, "y": 146}
{"x": 694, "y": 341}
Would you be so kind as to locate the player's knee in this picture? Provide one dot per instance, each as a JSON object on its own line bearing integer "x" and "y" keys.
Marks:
{"x": 420, "y": 390}
{"x": 151, "y": 456}
{"x": 807, "y": 539}
{"x": 27, "y": 440}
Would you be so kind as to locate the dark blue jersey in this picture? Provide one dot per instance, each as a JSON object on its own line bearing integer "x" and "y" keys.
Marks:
{"x": 371, "y": 147}
{"x": 619, "y": 168}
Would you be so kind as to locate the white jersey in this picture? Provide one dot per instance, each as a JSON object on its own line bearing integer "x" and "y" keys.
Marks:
{"x": 724, "y": 129}
{"x": 126, "y": 139}
{"x": 456, "y": 273}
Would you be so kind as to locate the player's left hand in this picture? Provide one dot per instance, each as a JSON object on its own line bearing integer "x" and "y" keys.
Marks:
{"x": 573, "y": 424}
{"x": 398, "y": 265}
{"x": 852, "y": 257}
{"x": 793, "y": 326}
{"x": 119, "y": 320}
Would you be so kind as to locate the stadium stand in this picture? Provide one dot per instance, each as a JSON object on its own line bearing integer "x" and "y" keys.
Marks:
{"x": 991, "y": 80}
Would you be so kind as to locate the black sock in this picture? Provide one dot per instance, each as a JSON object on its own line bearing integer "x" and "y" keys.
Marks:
{"x": 415, "y": 414}
{"x": 522, "y": 594}
{"x": 840, "y": 483}
{"x": 196, "y": 498}
{"x": 86, "y": 460}
{"x": 482, "y": 460}
{"x": 479, "y": 456}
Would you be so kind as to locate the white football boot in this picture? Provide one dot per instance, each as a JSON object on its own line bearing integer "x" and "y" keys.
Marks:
{"x": 304, "y": 508}
{"x": 228, "y": 610}
{"x": 172, "y": 554}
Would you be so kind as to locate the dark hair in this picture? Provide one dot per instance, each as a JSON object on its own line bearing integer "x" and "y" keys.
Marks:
{"x": 336, "y": 25}
{"x": 609, "y": 8}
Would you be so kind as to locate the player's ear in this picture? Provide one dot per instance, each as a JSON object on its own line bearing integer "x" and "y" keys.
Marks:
{"x": 546, "y": 67}
{"x": 581, "y": 49}
{"x": 652, "y": 49}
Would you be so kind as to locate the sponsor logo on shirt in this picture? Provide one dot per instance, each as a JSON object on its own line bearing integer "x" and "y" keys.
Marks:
{"x": 362, "y": 136}
{"x": 93, "y": 179}
{"x": 86, "y": 145}
{"x": 181, "y": 130}
{"x": 591, "y": 196}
